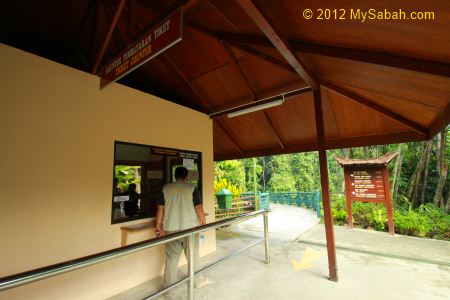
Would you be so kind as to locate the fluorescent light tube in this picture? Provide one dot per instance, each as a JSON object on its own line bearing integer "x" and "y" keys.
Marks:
{"x": 255, "y": 108}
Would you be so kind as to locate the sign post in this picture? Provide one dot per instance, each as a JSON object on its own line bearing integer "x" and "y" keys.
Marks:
{"x": 158, "y": 39}
{"x": 368, "y": 181}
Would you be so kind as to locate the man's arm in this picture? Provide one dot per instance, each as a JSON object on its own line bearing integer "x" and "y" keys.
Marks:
{"x": 198, "y": 205}
{"x": 200, "y": 214}
{"x": 159, "y": 217}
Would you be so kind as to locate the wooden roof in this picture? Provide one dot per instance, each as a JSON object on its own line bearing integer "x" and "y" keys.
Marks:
{"x": 378, "y": 161}
{"x": 381, "y": 81}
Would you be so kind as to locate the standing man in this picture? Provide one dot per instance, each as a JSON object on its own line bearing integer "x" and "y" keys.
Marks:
{"x": 180, "y": 208}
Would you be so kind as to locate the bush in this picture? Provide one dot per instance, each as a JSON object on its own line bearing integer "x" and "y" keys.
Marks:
{"x": 426, "y": 221}
{"x": 410, "y": 222}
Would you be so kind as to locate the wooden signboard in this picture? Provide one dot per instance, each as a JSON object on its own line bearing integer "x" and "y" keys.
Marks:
{"x": 161, "y": 37}
{"x": 368, "y": 184}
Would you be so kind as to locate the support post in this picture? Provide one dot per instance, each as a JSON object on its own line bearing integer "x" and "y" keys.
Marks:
{"x": 255, "y": 188}
{"x": 191, "y": 267}
{"x": 266, "y": 237}
{"x": 388, "y": 200}
{"x": 348, "y": 197}
{"x": 331, "y": 247}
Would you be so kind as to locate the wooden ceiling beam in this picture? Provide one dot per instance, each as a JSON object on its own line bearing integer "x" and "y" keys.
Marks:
{"x": 441, "y": 120}
{"x": 266, "y": 57}
{"x": 214, "y": 35}
{"x": 274, "y": 131}
{"x": 213, "y": 6}
{"x": 282, "y": 44}
{"x": 350, "y": 142}
{"x": 205, "y": 106}
{"x": 211, "y": 33}
{"x": 253, "y": 92}
{"x": 200, "y": 99}
{"x": 87, "y": 12}
{"x": 238, "y": 66}
{"x": 433, "y": 67}
{"x": 108, "y": 36}
{"x": 109, "y": 9}
{"x": 439, "y": 68}
{"x": 94, "y": 30}
{"x": 185, "y": 4}
{"x": 232, "y": 140}
{"x": 131, "y": 20}
{"x": 162, "y": 14}
{"x": 368, "y": 103}
{"x": 304, "y": 147}
{"x": 246, "y": 39}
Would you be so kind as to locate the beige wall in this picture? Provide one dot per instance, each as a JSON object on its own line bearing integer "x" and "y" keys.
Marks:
{"x": 57, "y": 132}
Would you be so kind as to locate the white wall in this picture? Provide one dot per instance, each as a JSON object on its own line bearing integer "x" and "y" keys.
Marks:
{"x": 57, "y": 132}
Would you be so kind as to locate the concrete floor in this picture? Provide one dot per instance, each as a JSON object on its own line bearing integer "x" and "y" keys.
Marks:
{"x": 299, "y": 267}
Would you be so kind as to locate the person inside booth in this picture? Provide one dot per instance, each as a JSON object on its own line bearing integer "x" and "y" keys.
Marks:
{"x": 131, "y": 206}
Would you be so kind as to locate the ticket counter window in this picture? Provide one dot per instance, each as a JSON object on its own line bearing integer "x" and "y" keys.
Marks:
{"x": 140, "y": 172}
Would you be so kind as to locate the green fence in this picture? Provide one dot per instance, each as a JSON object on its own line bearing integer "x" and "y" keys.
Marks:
{"x": 307, "y": 199}
{"x": 246, "y": 203}
{"x": 263, "y": 199}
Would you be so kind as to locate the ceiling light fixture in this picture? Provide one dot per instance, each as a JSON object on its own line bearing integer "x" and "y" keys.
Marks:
{"x": 256, "y": 108}
{"x": 259, "y": 104}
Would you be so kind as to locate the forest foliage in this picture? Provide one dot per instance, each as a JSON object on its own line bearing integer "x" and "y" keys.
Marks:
{"x": 418, "y": 177}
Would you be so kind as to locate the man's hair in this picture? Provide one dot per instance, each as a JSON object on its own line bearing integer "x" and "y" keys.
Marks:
{"x": 181, "y": 173}
{"x": 132, "y": 186}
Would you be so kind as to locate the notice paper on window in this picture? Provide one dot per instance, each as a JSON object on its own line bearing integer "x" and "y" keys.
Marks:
{"x": 121, "y": 198}
{"x": 188, "y": 163}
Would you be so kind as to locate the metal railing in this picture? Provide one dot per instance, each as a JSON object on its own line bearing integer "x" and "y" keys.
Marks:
{"x": 23, "y": 278}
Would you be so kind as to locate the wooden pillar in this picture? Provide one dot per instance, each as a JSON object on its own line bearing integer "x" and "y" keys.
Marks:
{"x": 328, "y": 218}
{"x": 388, "y": 199}
{"x": 348, "y": 197}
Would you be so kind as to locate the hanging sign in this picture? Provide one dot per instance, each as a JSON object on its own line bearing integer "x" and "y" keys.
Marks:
{"x": 160, "y": 38}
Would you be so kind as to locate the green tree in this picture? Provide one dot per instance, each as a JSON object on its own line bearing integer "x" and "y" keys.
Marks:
{"x": 231, "y": 170}
{"x": 282, "y": 179}
{"x": 249, "y": 182}
{"x": 305, "y": 170}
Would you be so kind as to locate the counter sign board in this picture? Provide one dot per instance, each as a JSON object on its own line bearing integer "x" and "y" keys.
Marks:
{"x": 368, "y": 181}
{"x": 161, "y": 37}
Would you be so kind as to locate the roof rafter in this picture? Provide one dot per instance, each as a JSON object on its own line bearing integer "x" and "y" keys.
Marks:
{"x": 89, "y": 8}
{"x": 185, "y": 4}
{"x": 233, "y": 141}
{"x": 109, "y": 9}
{"x": 108, "y": 35}
{"x": 252, "y": 91}
{"x": 131, "y": 19}
{"x": 367, "y": 102}
{"x": 282, "y": 44}
{"x": 388, "y": 138}
{"x": 200, "y": 99}
{"x": 441, "y": 120}
{"x": 439, "y": 68}
{"x": 205, "y": 106}
{"x": 264, "y": 56}
{"x": 211, "y": 33}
